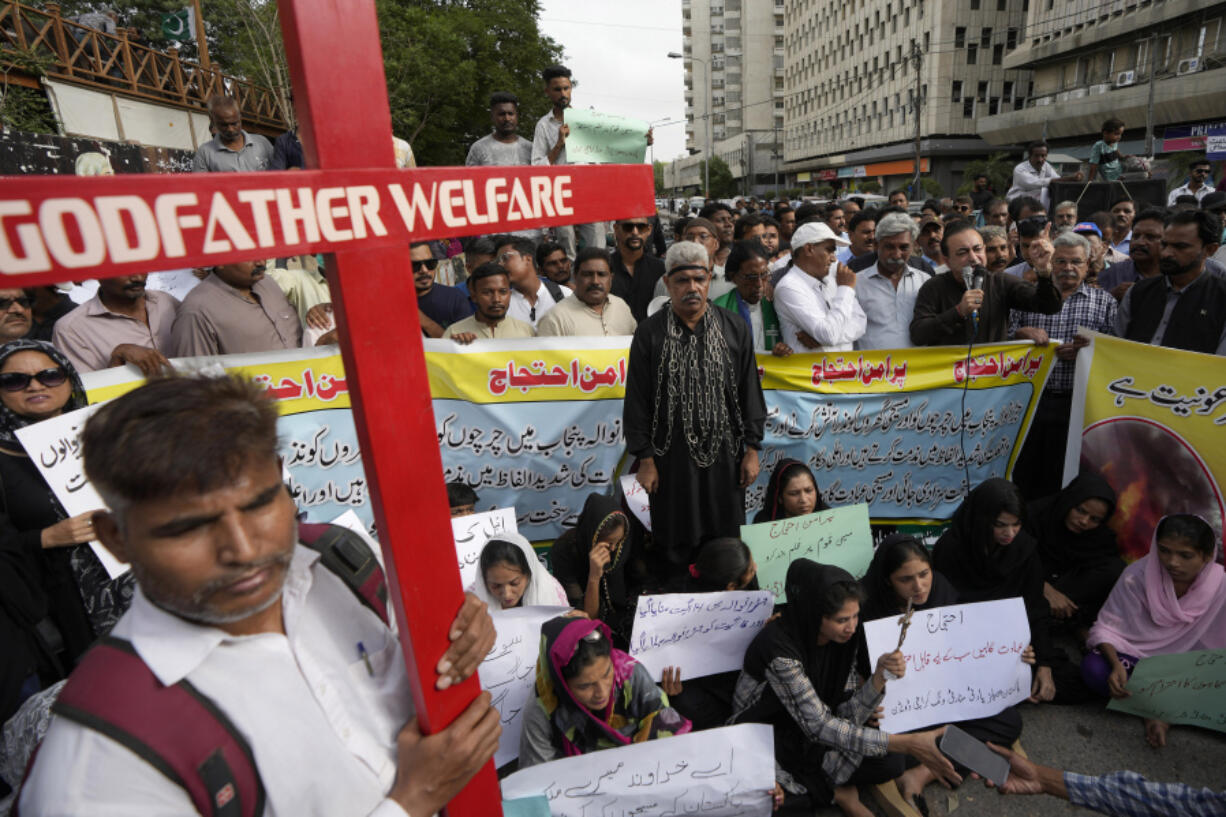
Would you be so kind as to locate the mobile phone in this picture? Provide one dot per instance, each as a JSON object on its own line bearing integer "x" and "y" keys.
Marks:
{"x": 974, "y": 755}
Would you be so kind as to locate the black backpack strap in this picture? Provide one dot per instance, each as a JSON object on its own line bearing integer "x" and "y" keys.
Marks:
{"x": 555, "y": 289}
{"x": 180, "y": 731}
{"x": 349, "y": 557}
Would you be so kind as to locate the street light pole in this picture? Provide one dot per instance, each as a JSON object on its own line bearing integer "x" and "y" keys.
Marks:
{"x": 709, "y": 148}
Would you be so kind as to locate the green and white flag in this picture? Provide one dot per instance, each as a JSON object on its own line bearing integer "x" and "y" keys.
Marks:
{"x": 179, "y": 25}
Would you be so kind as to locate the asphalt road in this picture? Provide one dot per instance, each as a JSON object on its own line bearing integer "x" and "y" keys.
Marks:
{"x": 1092, "y": 740}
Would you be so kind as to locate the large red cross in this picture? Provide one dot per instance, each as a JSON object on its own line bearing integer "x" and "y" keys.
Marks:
{"x": 56, "y": 228}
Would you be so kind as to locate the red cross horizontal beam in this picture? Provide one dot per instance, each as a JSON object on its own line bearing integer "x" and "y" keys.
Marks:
{"x": 56, "y": 228}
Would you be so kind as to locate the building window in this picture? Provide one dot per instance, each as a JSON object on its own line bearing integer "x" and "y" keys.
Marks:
{"x": 985, "y": 38}
{"x": 983, "y": 92}
{"x": 968, "y": 107}
{"x": 972, "y": 53}
{"x": 957, "y": 91}
{"x": 998, "y": 54}
{"x": 1011, "y": 39}
{"x": 960, "y": 37}
{"x": 1001, "y": 5}
{"x": 974, "y": 5}
{"x": 1008, "y": 90}
{"x": 994, "y": 106}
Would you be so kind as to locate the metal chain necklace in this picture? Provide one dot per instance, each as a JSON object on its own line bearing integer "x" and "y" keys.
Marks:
{"x": 700, "y": 381}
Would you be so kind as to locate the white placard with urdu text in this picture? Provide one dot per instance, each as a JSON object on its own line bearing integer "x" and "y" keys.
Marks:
{"x": 508, "y": 672}
{"x": 964, "y": 661}
{"x": 725, "y": 772}
{"x": 702, "y": 633}
{"x": 472, "y": 532}
{"x": 54, "y": 447}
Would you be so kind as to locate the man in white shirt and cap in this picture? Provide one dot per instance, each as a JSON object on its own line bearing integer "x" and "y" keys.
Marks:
{"x": 816, "y": 299}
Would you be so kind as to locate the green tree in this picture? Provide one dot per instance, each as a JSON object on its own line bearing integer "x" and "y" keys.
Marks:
{"x": 932, "y": 188}
{"x": 723, "y": 186}
{"x": 657, "y": 168}
{"x": 444, "y": 59}
{"x": 870, "y": 187}
{"x": 999, "y": 170}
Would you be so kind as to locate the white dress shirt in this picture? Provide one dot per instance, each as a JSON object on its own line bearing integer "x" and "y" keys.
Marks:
{"x": 321, "y": 725}
{"x": 888, "y": 310}
{"x": 829, "y": 313}
{"x": 1030, "y": 182}
{"x": 1186, "y": 190}
{"x": 531, "y": 314}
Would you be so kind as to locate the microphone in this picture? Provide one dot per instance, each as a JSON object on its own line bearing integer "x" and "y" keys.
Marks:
{"x": 968, "y": 279}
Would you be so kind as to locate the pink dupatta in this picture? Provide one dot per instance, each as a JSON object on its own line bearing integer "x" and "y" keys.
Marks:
{"x": 1142, "y": 616}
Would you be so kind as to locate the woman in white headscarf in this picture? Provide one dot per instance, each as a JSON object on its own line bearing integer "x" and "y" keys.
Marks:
{"x": 510, "y": 575}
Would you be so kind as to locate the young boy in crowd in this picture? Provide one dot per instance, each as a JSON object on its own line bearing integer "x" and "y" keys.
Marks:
{"x": 1105, "y": 156}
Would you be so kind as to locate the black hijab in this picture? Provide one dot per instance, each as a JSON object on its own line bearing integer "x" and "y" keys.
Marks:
{"x": 795, "y": 634}
{"x": 772, "y": 501}
{"x": 1060, "y": 548}
{"x": 968, "y": 555}
{"x": 882, "y": 600}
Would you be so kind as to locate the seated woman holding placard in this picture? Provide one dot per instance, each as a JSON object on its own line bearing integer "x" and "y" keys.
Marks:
{"x": 591, "y": 562}
{"x": 723, "y": 564}
{"x": 590, "y": 696}
{"x": 987, "y": 556}
{"x": 1170, "y": 601}
{"x": 902, "y": 572}
{"x": 800, "y": 677}
{"x": 510, "y": 575}
{"x": 1081, "y": 560}
{"x": 791, "y": 491}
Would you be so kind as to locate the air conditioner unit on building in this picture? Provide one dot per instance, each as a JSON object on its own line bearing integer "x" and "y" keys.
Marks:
{"x": 1189, "y": 66}
{"x": 1062, "y": 96}
{"x": 1125, "y": 78}
{"x": 1101, "y": 88}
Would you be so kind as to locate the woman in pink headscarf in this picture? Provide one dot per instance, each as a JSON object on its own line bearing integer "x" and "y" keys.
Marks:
{"x": 1170, "y": 601}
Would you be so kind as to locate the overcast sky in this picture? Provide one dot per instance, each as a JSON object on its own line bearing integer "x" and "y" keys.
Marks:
{"x": 616, "y": 51}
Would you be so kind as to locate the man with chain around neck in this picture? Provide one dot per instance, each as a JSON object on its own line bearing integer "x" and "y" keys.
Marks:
{"x": 694, "y": 412}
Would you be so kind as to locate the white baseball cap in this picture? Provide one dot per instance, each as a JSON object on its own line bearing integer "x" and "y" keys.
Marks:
{"x": 816, "y": 232}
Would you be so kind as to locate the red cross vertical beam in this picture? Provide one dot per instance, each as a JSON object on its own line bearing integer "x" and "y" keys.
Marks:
{"x": 344, "y": 121}
{"x": 336, "y": 65}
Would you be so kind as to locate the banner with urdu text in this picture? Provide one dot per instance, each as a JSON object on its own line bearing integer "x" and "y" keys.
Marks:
{"x": 319, "y": 444}
{"x": 537, "y": 424}
{"x": 1151, "y": 421}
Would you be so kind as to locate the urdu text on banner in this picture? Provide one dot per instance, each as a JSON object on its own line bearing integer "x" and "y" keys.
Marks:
{"x": 1151, "y": 421}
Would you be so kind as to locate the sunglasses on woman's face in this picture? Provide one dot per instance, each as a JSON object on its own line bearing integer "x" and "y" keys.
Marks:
{"x": 20, "y": 381}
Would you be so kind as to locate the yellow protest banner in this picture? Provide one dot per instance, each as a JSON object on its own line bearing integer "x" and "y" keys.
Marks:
{"x": 1152, "y": 422}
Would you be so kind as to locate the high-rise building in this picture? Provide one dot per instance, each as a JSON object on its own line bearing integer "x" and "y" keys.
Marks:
{"x": 1095, "y": 60}
{"x": 852, "y": 83}
{"x": 734, "y": 75}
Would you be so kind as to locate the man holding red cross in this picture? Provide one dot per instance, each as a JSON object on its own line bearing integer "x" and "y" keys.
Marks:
{"x": 357, "y": 207}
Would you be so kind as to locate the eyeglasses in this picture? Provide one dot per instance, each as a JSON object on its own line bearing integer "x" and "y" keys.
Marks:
{"x": 634, "y": 227}
{"x": 21, "y": 300}
{"x": 509, "y": 254}
{"x": 20, "y": 381}
{"x": 429, "y": 263}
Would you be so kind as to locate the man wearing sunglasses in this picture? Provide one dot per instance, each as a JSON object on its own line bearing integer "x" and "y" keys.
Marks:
{"x": 438, "y": 306}
{"x": 1198, "y": 182}
{"x": 635, "y": 271}
{"x": 15, "y": 316}
{"x": 123, "y": 323}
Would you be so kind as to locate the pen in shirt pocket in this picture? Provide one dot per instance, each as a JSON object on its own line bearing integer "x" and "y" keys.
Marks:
{"x": 366, "y": 659}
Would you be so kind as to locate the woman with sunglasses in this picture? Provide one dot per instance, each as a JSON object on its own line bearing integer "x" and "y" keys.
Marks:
{"x": 74, "y": 599}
